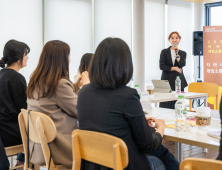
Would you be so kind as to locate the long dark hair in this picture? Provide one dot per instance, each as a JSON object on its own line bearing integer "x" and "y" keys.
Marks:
{"x": 13, "y": 51}
{"x": 111, "y": 65}
{"x": 84, "y": 63}
{"x": 53, "y": 65}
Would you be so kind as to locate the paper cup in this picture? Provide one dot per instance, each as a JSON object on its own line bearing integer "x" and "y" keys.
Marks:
{"x": 203, "y": 118}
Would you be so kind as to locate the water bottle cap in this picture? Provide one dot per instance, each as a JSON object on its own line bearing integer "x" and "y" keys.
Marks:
{"x": 178, "y": 77}
{"x": 136, "y": 85}
{"x": 180, "y": 97}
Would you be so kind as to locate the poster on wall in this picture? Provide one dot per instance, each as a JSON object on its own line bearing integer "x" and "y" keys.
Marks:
{"x": 212, "y": 50}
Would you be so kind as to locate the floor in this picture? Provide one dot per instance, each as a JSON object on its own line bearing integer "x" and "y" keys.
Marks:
{"x": 191, "y": 151}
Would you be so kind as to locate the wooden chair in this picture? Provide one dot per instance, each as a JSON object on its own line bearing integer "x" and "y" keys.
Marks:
{"x": 99, "y": 148}
{"x": 12, "y": 151}
{"x": 210, "y": 88}
{"x": 211, "y": 99}
{"x": 42, "y": 130}
{"x": 200, "y": 164}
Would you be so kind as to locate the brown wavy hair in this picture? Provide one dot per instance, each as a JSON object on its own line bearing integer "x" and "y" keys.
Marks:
{"x": 53, "y": 65}
{"x": 175, "y": 32}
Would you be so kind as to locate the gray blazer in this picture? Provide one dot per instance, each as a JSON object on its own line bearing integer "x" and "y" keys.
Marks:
{"x": 61, "y": 108}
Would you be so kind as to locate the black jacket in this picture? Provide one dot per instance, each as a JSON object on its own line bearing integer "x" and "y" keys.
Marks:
{"x": 117, "y": 112}
{"x": 12, "y": 100}
{"x": 166, "y": 64}
{"x": 220, "y": 150}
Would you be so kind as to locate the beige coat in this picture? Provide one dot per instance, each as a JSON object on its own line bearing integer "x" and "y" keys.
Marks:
{"x": 61, "y": 108}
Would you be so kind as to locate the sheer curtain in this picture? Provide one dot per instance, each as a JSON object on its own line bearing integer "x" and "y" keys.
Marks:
{"x": 154, "y": 38}
{"x": 22, "y": 20}
{"x": 113, "y": 19}
{"x": 70, "y": 21}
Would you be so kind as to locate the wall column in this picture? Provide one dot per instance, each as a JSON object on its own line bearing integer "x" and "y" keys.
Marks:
{"x": 138, "y": 43}
{"x": 198, "y": 16}
{"x": 198, "y": 26}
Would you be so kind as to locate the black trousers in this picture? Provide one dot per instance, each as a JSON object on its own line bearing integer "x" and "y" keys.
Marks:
{"x": 170, "y": 162}
{"x": 4, "y": 163}
{"x": 170, "y": 104}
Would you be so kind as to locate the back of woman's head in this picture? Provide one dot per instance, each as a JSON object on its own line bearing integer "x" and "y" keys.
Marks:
{"x": 111, "y": 65}
{"x": 13, "y": 52}
{"x": 53, "y": 65}
{"x": 84, "y": 63}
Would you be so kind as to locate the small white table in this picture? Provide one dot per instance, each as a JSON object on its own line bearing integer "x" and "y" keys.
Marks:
{"x": 165, "y": 97}
{"x": 189, "y": 138}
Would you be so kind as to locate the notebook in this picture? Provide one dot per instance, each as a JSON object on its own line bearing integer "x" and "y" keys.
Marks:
{"x": 161, "y": 86}
{"x": 215, "y": 134}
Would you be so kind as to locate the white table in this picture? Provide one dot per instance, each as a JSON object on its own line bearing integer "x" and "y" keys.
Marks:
{"x": 165, "y": 97}
{"x": 190, "y": 138}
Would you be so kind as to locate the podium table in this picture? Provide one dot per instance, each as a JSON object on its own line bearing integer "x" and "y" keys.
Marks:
{"x": 166, "y": 97}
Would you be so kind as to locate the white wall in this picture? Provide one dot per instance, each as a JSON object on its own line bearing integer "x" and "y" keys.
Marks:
{"x": 70, "y": 21}
{"x": 180, "y": 18}
{"x": 113, "y": 19}
{"x": 154, "y": 38}
{"x": 22, "y": 20}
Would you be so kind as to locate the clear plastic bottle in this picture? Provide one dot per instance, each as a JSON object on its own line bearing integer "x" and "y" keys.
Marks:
{"x": 181, "y": 115}
{"x": 178, "y": 85}
{"x": 138, "y": 89}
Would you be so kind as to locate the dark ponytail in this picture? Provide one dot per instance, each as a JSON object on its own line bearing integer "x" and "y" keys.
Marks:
{"x": 13, "y": 52}
{"x": 3, "y": 62}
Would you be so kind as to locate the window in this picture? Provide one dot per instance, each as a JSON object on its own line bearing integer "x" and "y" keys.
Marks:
{"x": 213, "y": 13}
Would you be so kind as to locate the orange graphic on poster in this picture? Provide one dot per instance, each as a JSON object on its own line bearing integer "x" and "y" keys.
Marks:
{"x": 212, "y": 54}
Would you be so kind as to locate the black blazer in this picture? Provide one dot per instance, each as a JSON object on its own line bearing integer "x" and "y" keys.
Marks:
{"x": 166, "y": 64}
{"x": 117, "y": 112}
{"x": 220, "y": 150}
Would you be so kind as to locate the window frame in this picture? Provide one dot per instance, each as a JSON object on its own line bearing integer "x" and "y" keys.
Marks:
{"x": 208, "y": 12}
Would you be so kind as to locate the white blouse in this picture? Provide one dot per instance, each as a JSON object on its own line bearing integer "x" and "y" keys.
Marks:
{"x": 173, "y": 55}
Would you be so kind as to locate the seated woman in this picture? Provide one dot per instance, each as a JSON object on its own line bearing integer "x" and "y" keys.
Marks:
{"x": 12, "y": 93}
{"x": 84, "y": 65}
{"x": 51, "y": 92}
{"x": 107, "y": 105}
{"x": 4, "y": 163}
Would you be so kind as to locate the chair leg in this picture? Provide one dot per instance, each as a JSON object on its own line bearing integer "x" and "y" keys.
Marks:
{"x": 36, "y": 167}
{"x": 190, "y": 104}
{"x": 205, "y": 150}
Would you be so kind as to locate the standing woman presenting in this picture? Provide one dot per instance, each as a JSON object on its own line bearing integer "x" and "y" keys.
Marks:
{"x": 172, "y": 60}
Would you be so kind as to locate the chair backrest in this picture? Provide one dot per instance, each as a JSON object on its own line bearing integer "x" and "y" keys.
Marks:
{"x": 200, "y": 164}
{"x": 42, "y": 130}
{"x": 210, "y": 88}
{"x": 99, "y": 148}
